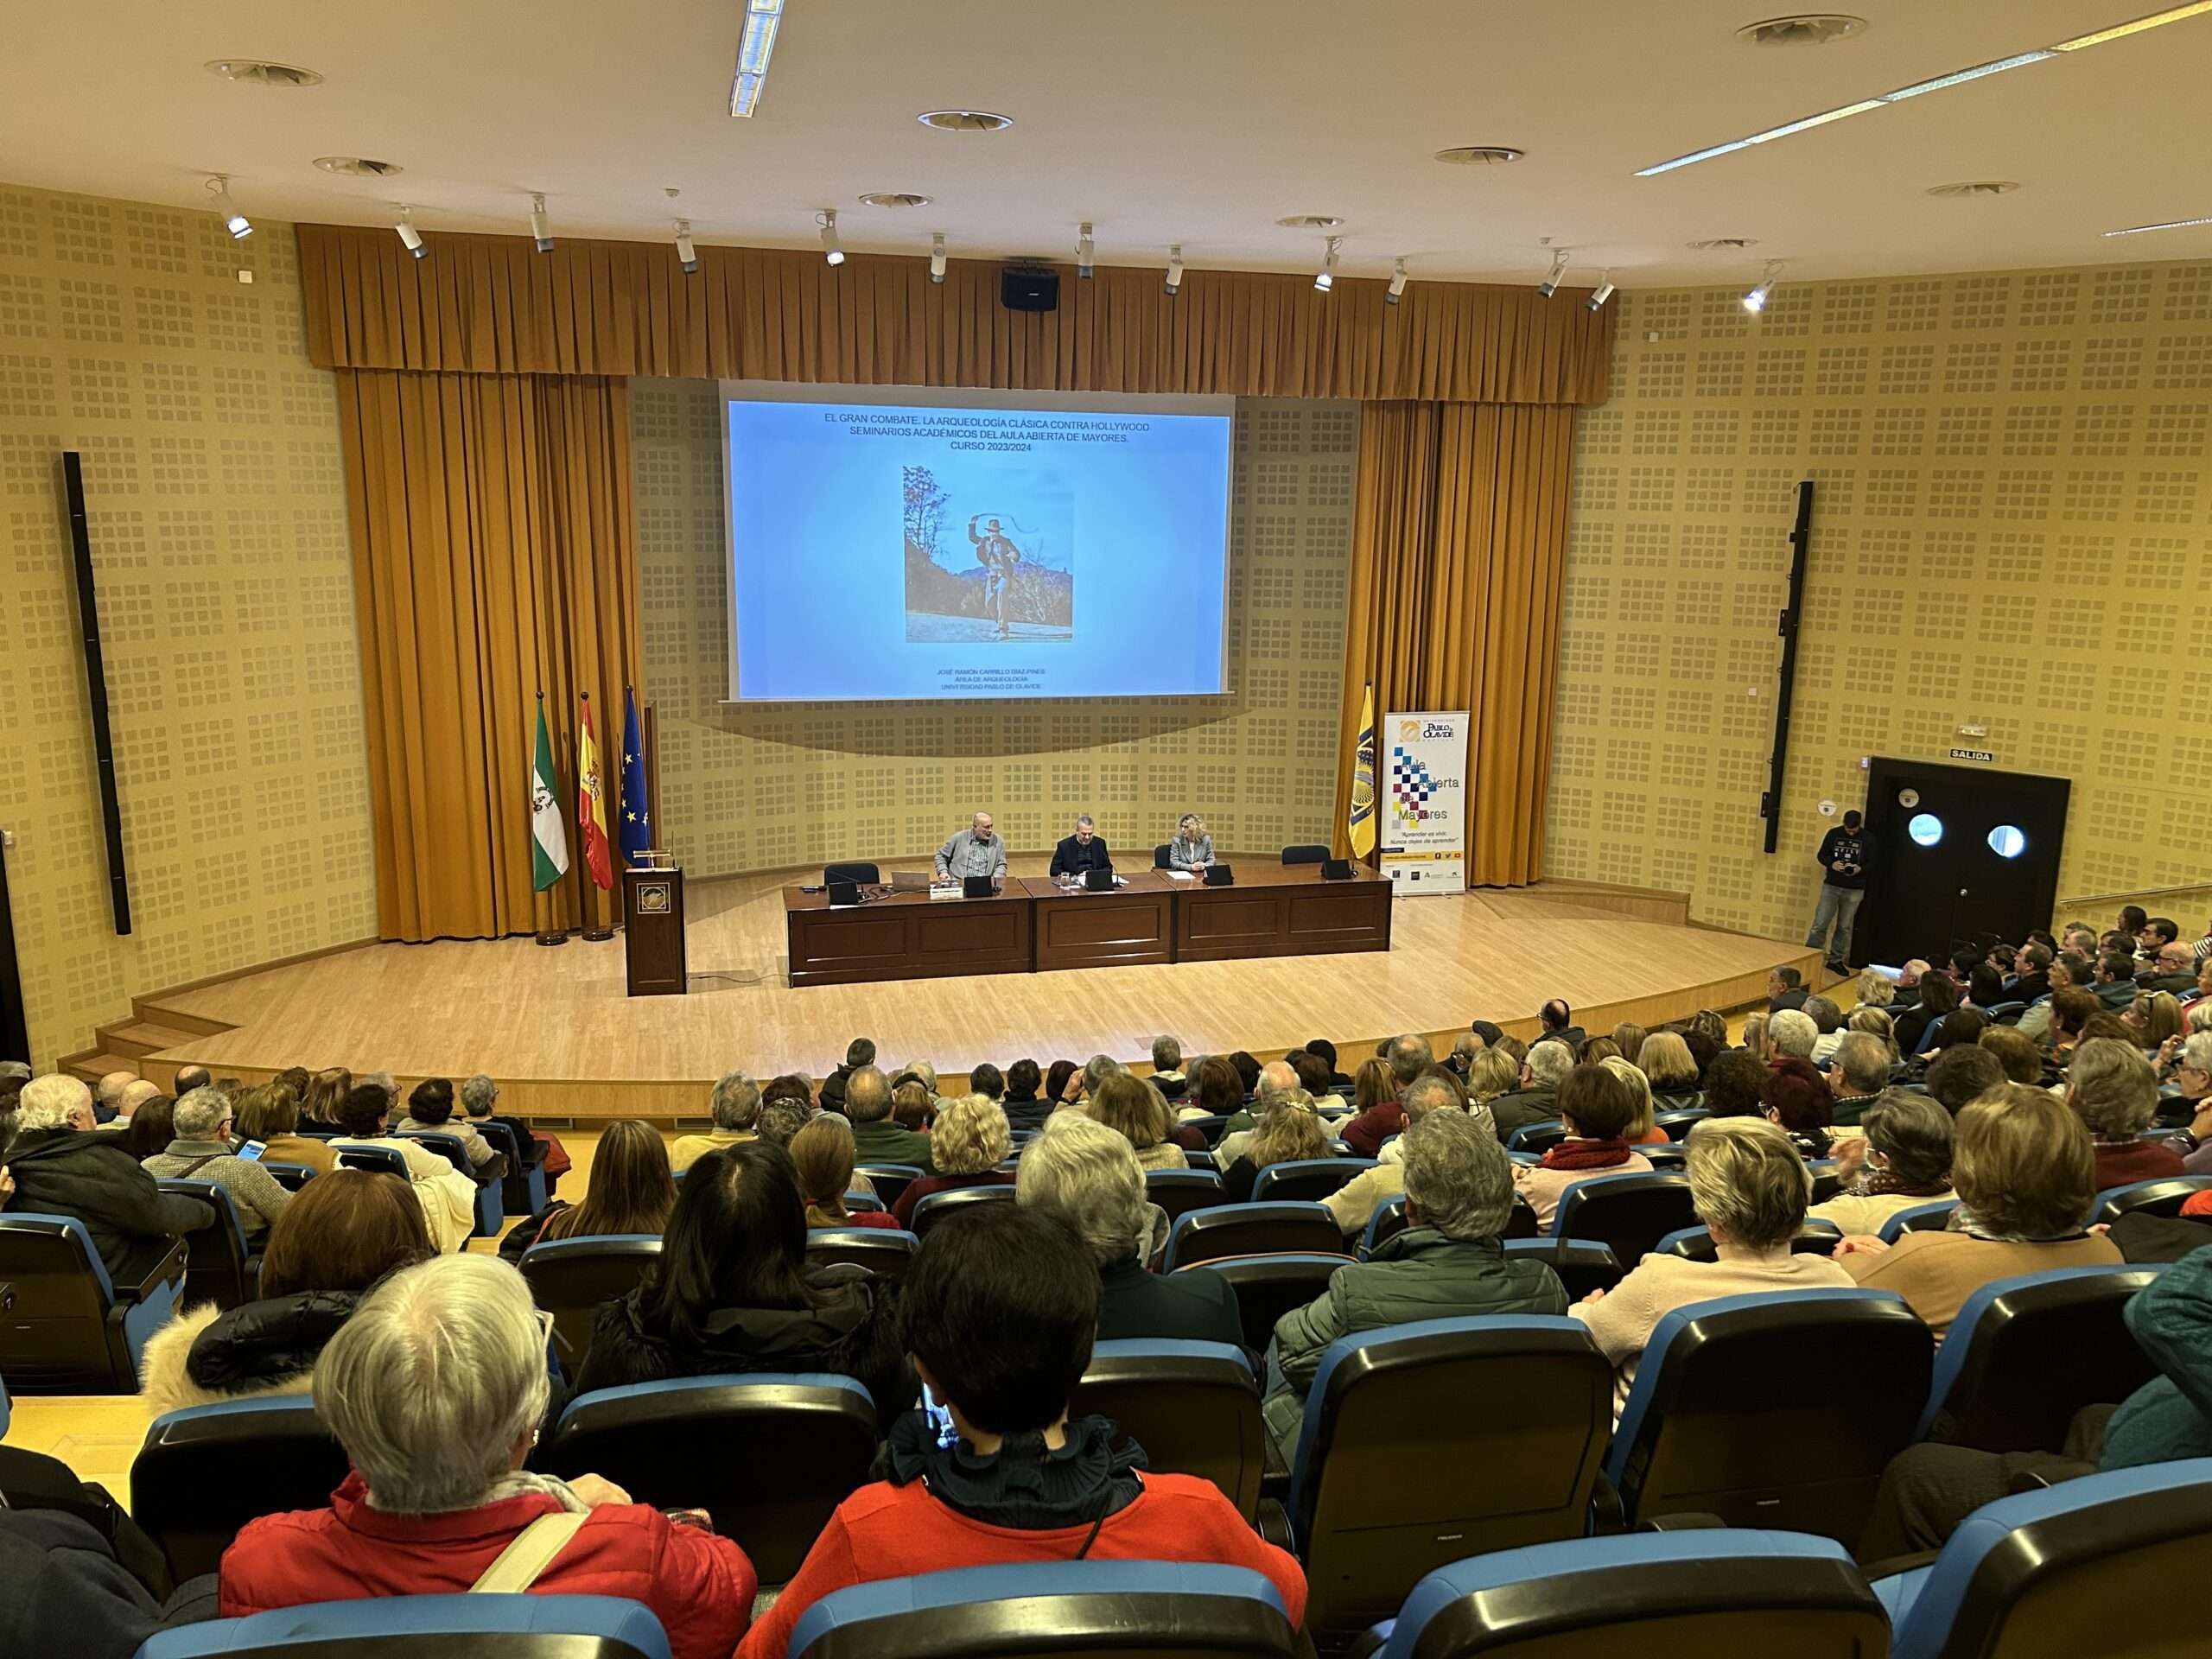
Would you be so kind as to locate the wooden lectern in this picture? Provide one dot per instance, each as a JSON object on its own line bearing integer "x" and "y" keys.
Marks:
{"x": 653, "y": 940}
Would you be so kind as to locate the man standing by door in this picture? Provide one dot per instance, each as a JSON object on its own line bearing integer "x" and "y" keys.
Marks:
{"x": 1846, "y": 856}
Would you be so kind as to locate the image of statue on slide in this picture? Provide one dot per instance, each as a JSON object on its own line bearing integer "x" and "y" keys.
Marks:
{"x": 1000, "y": 572}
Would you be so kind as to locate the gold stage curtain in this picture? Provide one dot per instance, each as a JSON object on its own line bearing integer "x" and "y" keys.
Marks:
{"x": 493, "y": 536}
{"x": 1458, "y": 546}
{"x": 493, "y": 305}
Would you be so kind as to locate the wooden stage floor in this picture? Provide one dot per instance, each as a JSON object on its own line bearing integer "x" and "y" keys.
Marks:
{"x": 555, "y": 1027}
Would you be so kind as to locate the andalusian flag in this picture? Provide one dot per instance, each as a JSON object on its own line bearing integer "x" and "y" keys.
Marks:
{"x": 549, "y": 839}
{"x": 1359, "y": 823}
{"x": 591, "y": 804}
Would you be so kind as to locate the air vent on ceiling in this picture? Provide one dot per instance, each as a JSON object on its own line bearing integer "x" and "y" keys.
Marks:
{"x": 1724, "y": 244}
{"x": 358, "y": 167}
{"x": 257, "y": 73}
{"x": 894, "y": 198}
{"x": 964, "y": 120}
{"x": 1479, "y": 156}
{"x": 1811, "y": 28}
{"x": 1976, "y": 187}
{"x": 1311, "y": 222}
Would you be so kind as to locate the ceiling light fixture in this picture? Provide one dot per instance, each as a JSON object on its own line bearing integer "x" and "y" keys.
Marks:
{"x": 757, "y": 40}
{"x": 235, "y": 222}
{"x": 2135, "y": 25}
{"x": 1397, "y": 290}
{"x": 1806, "y": 28}
{"x": 1325, "y": 278}
{"x": 1755, "y": 297}
{"x": 541, "y": 227}
{"x": 358, "y": 167}
{"x": 1604, "y": 292}
{"x": 1549, "y": 286}
{"x": 965, "y": 120}
{"x": 1479, "y": 156}
{"x": 687, "y": 255}
{"x": 936, "y": 258}
{"x": 832, "y": 249}
{"x": 1174, "y": 283}
{"x": 2164, "y": 224}
{"x": 258, "y": 71}
{"x": 1311, "y": 222}
{"x": 1085, "y": 251}
{"x": 410, "y": 237}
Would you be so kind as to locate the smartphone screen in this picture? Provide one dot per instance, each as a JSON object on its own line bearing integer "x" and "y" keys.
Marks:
{"x": 251, "y": 1151}
{"x": 940, "y": 1420}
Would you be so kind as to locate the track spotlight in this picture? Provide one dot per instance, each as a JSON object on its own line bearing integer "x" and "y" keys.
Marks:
{"x": 832, "y": 249}
{"x": 541, "y": 228}
{"x": 685, "y": 252}
{"x": 1755, "y": 297}
{"x": 1397, "y": 283}
{"x": 410, "y": 237}
{"x": 1174, "y": 283}
{"x": 1604, "y": 292}
{"x": 1549, "y": 286}
{"x": 936, "y": 258}
{"x": 1085, "y": 251}
{"x": 1325, "y": 278}
{"x": 235, "y": 222}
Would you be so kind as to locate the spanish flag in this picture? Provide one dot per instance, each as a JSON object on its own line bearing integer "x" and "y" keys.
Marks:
{"x": 591, "y": 804}
{"x": 1359, "y": 823}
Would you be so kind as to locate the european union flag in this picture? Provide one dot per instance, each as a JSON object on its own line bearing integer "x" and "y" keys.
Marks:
{"x": 636, "y": 814}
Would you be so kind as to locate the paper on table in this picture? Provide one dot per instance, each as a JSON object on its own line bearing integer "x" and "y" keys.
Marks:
{"x": 1178, "y": 875}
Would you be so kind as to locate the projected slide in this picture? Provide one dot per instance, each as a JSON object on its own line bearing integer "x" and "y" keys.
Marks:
{"x": 881, "y": 550}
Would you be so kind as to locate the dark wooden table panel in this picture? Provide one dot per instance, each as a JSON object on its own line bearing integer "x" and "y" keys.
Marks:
{"x": 906, "y": 936}
{"x": 1277, "y": 910}
{"x": 1132, "y": 923}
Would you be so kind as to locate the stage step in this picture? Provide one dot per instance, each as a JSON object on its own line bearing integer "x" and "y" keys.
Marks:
{"x": 139, "y": 1037}
{"x": 91, "y": 1067}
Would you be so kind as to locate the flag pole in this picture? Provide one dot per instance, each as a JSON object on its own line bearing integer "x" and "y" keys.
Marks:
{"x": 594, "y": 932}
{"x": 541, "y": 898}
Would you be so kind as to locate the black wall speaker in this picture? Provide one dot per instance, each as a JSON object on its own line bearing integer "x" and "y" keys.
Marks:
{"x": 1029, "y": 287}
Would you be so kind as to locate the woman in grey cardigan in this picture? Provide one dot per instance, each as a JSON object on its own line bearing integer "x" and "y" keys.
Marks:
{"x": 1192, "y": 848}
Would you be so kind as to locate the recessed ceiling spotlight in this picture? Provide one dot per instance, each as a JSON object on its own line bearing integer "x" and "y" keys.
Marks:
{"x": 1717, "y": 244}
{"x": 257, "y": 71}
{"x": 1808, "y": 28}
{"x": 1479, "y": 156}
{"x": 2163, "y": 224}
{"x": 1976, "y": 187}
{"x": 1311, "y": 222}
{"x": 358, "y": 167}
{"x": 964, "y": 120}
{"x": 894, "y": 198}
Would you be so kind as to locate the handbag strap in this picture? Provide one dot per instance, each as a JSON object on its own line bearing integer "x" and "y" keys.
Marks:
{"x": 523, "y": 1561}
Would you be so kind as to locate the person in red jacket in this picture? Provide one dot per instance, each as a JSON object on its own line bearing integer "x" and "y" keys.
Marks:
{"x": 435, "y": 1388}
{"x": 1001, "y": 1305}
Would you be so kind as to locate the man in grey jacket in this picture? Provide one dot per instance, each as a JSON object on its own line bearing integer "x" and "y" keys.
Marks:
{"x": 1447, "y": 1264}
{"x": 973, "y": 851}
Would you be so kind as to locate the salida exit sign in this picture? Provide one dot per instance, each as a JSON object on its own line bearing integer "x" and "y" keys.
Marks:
{"x": 1973, "y": 754}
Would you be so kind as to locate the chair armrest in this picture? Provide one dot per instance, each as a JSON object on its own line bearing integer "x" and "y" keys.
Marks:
{"x": 1607, "y": 1513}
{"x": 1891, "y": 1566}
{"x": 1273, "y": 1522}
{"x": 169, "y": 1269}
{"x": 1690, "y": 1520}
{"x": 7, "y": 1298}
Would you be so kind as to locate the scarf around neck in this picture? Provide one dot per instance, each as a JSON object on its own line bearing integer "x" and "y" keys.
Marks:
{"x": 1026, "y": 1486}
{"x": 1874, "y": 1183}
{"x": 1587, "y": 1154}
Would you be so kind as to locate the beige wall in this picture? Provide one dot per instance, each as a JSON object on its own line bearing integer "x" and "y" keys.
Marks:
{"x": 216, "y": 500}
{"x": 773, "y": 786}
{"x": 2010, "y": 530}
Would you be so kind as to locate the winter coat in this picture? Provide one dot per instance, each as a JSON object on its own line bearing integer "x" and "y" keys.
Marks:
{"x": 88, "y": 1175}
{"x": 203, "y": 1355}
{"x": 2169, "y": 1417}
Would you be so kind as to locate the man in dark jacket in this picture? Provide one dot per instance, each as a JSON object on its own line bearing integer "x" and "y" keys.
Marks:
{"x": 876, "y": 1139}
{"x": 1536, "y": 1101}
{"x": 1081, "y": 852}
{"x": 63, "y": 1167}
{"x": 1447, "y": 1264}
{"x": 1845, "y": 858}
{"x": 859, "y": 1053}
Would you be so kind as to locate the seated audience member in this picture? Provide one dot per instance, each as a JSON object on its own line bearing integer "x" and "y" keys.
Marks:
{"x": 736, "y": 1106}
{"x": 1365, "y": 1131}
{"x": 1665, "y": 1060}
{"x": 1902, "y": 1158}
{"x": 1215, "y": 1091}
{"x": 1859, "y": 1073}
{"x": 1292, "y": 1130}
{"x": 861, "y": 1052}
{"x": 1643, "y": 1129}
{"x": 127, "y": 1099}
{"x": 1268, "y": 1081}
{"x": 430, "y": 1109}
{"x": 1597, "y": 1107}
{"x": 1751, "y": 1188}
{"x": 1167, "y": 1075}
{"x": 1938, "y": 996}
{"x": 340, "y": 1234}
{"x": 1325, "y": 1051}
{"x": 1790, "y": 1035}
{"x": 2030, "y": 980}
{"x": 2155, "y": 1018}
{"x": 61, "y": 1167}
{"x": 1355, "y": 1203}
{"x": 202, "y": 1151}
{"x": 1757, "y": 1042}
{"x": 782, "y": 1119}
{"x": 435, "y": 1388}
{"x": 1448, "y": 1262}
{"x": 1536, "y": 1101}
{"x": 1796, "y": 1099}
{"x": 108, "y": 1093}
{"x": 1596, "y": 1049}
{"x": 1557, "y": 1022}
{"x": 2071, "y": 1011}
{"x": 2113, "y": 985}
{"x": 479, "y": 1094}
{"x": 150, "y": 1128}
{"x": 1785, "y": 989}
{"x": 989, "y": 1082}
{"x": 1313, "y": 1073}
{"x": 2018, "y": 1055}
{"x": 913, "y": 1104}
{"x": 732, "y": 1291}
{"x": 189, "y": 1078}
{"x": 1628, "y": 1037}
{"x": 2173, "y": 970}
{"x": 1828, "y": 1023}
{"x": 1090, "y": 1175}
{"x": 1734, "y": 1084}
{"x": 1959, "y": 1027}
{"x": 968, "y": 1144}
{"x": 2023, "y": 1167}
{"x": 1025, "y": 1108}
{"x": 1875, "y": 1022}
{"x": 1962, "y": 1073}
{"x": 789, "y": 1086}
{"x": 2068, "y": 972}
{"x": 822, "y": 1164}
{"x": 1000, "y": 1309}
{"x": 1985, "y": 986}
{"x": 632, "y": 1193}
{"x": 270, "y": 1113}
{"x": 326, "y": 1091}
{"x": 1132, "y": 1108}
{"x": 1873, "y": 990}
{"x": 2114, "y": 1092}
{"x": 876, "y": 1139}
{"x": 447, "y": 1196}
{"x": 1056, "y": 1082}
{"x": 1493, "y": 1073}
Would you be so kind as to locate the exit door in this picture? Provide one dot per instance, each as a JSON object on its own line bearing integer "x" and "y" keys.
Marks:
{"x": 1963, "y": 855}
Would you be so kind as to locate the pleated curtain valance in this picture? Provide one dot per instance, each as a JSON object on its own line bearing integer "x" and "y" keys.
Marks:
{"x": 493, "y": 305}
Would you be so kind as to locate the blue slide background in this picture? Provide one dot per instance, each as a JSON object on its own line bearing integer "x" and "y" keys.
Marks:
{"x": 818, "y": 581}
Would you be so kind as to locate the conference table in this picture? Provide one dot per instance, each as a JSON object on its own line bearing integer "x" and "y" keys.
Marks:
{"x": 1033, "y": 924}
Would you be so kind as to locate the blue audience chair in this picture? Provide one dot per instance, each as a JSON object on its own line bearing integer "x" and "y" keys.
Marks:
{"x": 70, "y": 1328}
{"x": 570, "y": 1277}
{"x": 203, "y": 1472}
{"x": 1251, "y": 1229}
{"x": 428, "y": 1627}
{"x": 1194, "y": 1406}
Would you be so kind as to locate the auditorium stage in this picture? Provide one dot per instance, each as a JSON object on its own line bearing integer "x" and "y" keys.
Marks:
{"x": 555, "y": 1027}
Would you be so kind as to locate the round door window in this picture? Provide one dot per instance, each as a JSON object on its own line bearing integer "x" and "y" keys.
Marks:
{"x": 1925, "y": 828}
{"x": 2007, "y": 841}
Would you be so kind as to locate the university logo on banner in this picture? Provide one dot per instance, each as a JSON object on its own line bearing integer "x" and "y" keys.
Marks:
{"x": 1424, "y": 837}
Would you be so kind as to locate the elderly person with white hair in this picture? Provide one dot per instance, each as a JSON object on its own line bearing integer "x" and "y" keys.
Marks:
{"x": 1276, "y": 1078}
{"x": 201, "y": 1151}
{"x": 61, "y": 1168}
{"x": 1090, "y": 1174}
{"x": 435, "y": 1388}
{"x": 1447, "y": 1264}
{"x": 1536, "y": 1101}
{"x": 967, "y": 1146}
{"x": 2112, "y": 1088}
{"x": 1355, "y": 1203}
{"x": 1791, "y": 1032}
{"x": 735, "y": 1105}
